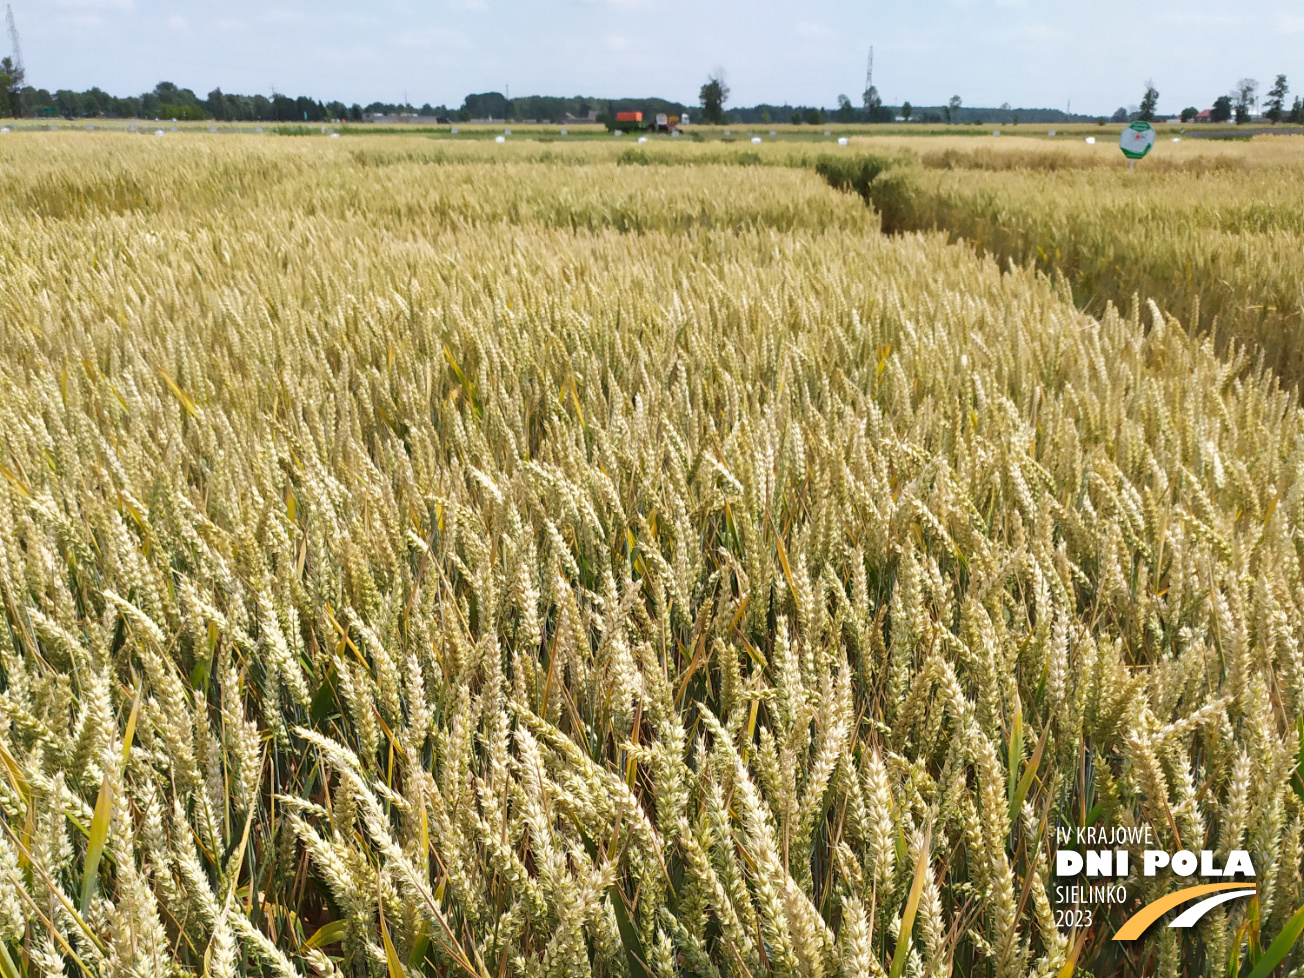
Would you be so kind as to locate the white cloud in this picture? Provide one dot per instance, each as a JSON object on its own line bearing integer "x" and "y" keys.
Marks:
{"x": 1037, "y": 31}
{"x": 1290, "y": 23}
{"x": 89, "y": 5}
{"x": 83, "y": 14}
{"x": 808, "y": 28}
{"x": 280, "y": 15}
{"x": 432, "y": 38}
{"x": 1198, "y": 18}
{"x": 617, "y": 42}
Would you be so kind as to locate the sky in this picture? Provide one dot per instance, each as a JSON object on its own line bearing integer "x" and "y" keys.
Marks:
{"x": 1093, "y": 54}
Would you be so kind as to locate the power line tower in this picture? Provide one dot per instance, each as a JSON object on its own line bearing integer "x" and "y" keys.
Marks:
{"x": 13, "y": 39}
{"x": 870, "y": 98}
{"x": 16, "y": 72}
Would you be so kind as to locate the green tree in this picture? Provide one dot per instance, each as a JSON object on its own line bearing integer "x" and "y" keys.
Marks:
{"x": 67, "y": 103}
{"x": 872, "y": 102}
{"x": 168, "y": 93}
{"x": 11, "y": 89}
{"x": 1189, "y": 113}
{"x": 1148, "y": 103}
{"x": 1222, "y": 108}
{"x": 216, "y": 105}
{"x": 1276, "y": 100}
{"x": 487, "y": 105}
{"x": 1297, "y": 111}
{"x": 713, "y": 96}
{"x": 906, "y": 109}
{"x": 953, "y": 109}
{"x": 1244, "y": 94}
{"x": 846, "y": 113}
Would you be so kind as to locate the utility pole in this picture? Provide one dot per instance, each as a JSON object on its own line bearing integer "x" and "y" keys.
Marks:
{"x": 869, "y": 70}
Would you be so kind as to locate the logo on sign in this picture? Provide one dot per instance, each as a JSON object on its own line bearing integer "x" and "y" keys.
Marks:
{"x": 1107, "y": 871}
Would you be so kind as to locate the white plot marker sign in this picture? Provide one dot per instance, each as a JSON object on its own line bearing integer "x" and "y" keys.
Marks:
{"x": 1136, "y": 140}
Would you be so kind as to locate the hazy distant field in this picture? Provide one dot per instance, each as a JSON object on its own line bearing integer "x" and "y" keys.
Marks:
{"x": 436, "y": 557}
{"x": 782, "y": 132}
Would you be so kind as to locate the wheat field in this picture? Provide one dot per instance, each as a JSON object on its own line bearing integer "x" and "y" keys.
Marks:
{"x": 543, "y": 566}
{"x": 1212, "y": 231}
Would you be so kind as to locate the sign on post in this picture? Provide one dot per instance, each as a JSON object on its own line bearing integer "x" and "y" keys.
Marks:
{"x": 1136, "y": 140}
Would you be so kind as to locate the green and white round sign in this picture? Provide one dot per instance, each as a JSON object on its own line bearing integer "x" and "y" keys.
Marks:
{"x": 1136, "y": 140}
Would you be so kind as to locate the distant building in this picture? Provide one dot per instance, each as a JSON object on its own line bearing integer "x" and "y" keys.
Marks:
{"x": 591, "y": 117}
{"x": 1205, "y": 116}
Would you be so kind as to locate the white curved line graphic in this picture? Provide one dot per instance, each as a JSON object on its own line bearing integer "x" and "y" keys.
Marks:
{"x": 1191, "y": 916}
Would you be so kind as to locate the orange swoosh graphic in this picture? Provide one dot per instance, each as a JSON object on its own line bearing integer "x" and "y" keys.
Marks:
{"x": 1136, "y": 924}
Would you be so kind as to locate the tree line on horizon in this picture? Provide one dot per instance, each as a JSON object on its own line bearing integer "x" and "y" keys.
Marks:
{"x": 169, "y": 101}
{"x": 1238, "y": 104}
